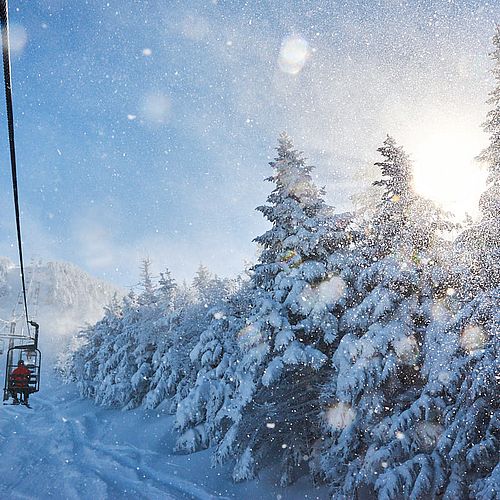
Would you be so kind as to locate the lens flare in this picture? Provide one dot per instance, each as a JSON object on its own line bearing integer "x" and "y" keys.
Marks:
{"x": 328, "y": 292}
{"x": 195, "y": 27}
{"x": 473, "y": 338}
{"x": 249, "y": 336}
{"x": 440, "y": 311}
{"x": 331, "y": 290}
{"x": 156, "y": 108}
{"x": 407, "y": 349}
{"x": 428, "y": 434}
{"x": 340, "y": 415}
{"x": 18, "y": 39}
{"x": 293, "y": 55}
{"x": 444, "y": 377}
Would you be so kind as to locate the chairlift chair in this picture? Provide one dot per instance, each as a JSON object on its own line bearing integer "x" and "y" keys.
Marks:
{"x": 32, "y": 358}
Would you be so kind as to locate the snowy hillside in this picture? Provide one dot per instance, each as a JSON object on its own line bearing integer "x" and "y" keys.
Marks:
{"x": 61, "y": 297}
{"x": 71, "y": 448}
{"x": 323, "y": 348}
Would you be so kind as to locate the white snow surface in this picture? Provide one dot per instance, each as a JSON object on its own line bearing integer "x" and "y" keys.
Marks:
{"x": 66, "y": 447}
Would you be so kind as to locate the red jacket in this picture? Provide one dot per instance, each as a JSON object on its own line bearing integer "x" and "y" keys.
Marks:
{"x": 20, "y": 377}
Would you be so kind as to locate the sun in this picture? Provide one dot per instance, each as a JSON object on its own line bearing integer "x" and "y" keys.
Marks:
{"x": 445, "y": 169}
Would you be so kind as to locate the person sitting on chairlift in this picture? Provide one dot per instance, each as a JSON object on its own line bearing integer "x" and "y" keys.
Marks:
{"x": 19, "y": 383}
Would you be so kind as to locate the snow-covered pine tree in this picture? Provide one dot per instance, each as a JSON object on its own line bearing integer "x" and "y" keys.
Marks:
{"x": 118, "y": 365}
{"x": 474, "y": 427}
{"x": 378, "y": 361}
{"x": 287, "y": 338}
{"x": 404, "y": 222}
{"x": 95, "y": 344}
{"x": 208, "y": 290}
{"x": 479, "y": 247}
{"x": 148, "y": 295}
{"x": 144, "y": 334}
{"x": 167, "y": 288}
{"x": 70, "y": 362}
{"x": 446, "y": 444}
{"x": 467, "y": 452}
{"x": 161, "y": 387}
{"x": 204, "y": 285}
{"x": 129, "y": 368}
{"x": 174, "y": 372}
{"x": 202, "y": 416}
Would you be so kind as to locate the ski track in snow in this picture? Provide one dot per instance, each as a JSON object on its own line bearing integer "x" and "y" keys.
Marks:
{"x": 46, "y": 454}
{"x": 65, "y": 447}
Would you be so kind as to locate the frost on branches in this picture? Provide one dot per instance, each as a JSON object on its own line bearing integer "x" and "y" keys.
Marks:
{"x": 202, "y": 415}
{"x": 479, "y": 247}
{"x": 174, "y": 373}
{"x": 138, "y": 354}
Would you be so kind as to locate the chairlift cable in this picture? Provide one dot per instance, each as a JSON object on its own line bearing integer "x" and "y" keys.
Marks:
{"x": 4, "y": 22}
{"x": 31, "y": 379}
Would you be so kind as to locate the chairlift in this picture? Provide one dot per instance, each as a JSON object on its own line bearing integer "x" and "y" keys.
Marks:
{"x": 32, "y": 357}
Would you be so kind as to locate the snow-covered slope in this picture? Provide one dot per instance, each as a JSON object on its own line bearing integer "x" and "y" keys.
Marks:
{"x": 67, "y": 448}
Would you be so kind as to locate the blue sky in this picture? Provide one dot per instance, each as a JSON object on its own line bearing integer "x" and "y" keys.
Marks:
{"x": 145, "y": 128}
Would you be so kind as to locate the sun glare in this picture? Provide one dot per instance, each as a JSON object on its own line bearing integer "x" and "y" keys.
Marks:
{"x": 445, "y": 169}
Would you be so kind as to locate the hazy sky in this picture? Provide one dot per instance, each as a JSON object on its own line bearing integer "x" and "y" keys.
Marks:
{"x": 144, "y": 128}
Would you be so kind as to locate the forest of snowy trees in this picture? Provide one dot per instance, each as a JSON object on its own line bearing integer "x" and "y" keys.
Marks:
{"x": 363, "y": 351}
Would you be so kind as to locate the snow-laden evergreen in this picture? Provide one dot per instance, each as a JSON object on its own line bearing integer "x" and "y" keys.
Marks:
{"x": 84, "y": 363}
{"x": 174, "y": 373}
{"x": 139, "y": 353}
{"x": 113, "y": 358}
{"x": 443, "y": 441}
{"x": 289, "y": 332}
{"x": 446, "y": 441}
{"x": 202, "y": 416}
{"x": 377, "y": 364}
{"x": 479, "y": 247}
{"x": 113, "y": 363}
